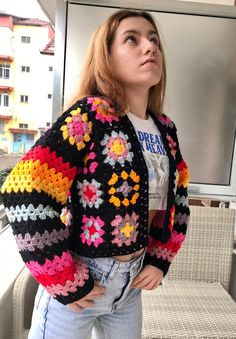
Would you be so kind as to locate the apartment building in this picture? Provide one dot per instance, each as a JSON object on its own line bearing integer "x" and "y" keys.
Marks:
{"x": 26, "y": 81}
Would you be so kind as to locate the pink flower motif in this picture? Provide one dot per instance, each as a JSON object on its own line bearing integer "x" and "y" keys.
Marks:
{"x": 125, "y": 229}
{"x": 77, "y": 128}
{"x": 172, "y": 145}
{"x": 116, "y": 148}
{"x": 104, "y": 111}
{"x": 90, "y": 193}
{"x": 92, "y": 231}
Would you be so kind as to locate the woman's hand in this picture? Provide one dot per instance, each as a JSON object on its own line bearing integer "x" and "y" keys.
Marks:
{"x": 88, "y": 300}
{"x": 148, "y": 279}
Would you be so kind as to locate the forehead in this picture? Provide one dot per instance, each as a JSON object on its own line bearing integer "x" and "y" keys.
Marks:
{"x": 138, "y": 24}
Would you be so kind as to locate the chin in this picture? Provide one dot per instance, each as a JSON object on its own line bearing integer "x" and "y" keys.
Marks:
{"x": 157, "y": 81}
{"x": 153, "y": 83}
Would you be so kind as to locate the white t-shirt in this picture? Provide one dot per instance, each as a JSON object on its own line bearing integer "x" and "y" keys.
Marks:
{"x": 156, "y": 160}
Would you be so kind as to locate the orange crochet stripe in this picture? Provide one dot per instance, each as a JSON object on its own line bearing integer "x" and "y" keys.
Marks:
{"x": 183, "y": 174}
{"x": 32, "y": 175}
{"x": 51, "y": 159}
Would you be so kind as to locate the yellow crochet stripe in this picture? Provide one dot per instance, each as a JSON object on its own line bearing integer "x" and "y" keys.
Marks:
{"x": 31, "y": 175}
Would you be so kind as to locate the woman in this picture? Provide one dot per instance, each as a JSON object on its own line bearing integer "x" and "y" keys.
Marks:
{"x": 99, "y": 204}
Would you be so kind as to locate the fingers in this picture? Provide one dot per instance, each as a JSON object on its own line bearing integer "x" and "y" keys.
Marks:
{"x": 138, "y": 279}
{"x": 149, "y": 278}
{"x": 158, "y": 283}
{"x": 75, "y": 307}
{"x": 96, "y": 291}
{"x": 147, "y": 284}
{"x": 84, "y": 303}
{"x": 151, "y": 285}
{"x": 88, "y": 300}
{"x": 81, "y": 304}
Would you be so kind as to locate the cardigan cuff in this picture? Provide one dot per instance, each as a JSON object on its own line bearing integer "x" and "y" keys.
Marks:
{"x": 78, "y": 294}
{"x": 157, "y": 262}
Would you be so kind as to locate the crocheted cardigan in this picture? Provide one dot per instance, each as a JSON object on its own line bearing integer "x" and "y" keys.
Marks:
{"x": 82, "y": 189}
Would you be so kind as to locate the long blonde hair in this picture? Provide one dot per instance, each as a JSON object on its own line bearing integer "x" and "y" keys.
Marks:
{"x": 97, "y": 77}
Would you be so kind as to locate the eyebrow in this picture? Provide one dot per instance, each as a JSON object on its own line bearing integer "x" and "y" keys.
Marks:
{"x": 133, "y": 31}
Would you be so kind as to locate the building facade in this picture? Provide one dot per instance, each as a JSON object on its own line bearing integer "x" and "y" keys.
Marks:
{"x": 26, "y": 81}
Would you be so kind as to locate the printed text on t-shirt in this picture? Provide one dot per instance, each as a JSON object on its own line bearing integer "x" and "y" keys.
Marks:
{"x": 152, "y": 142}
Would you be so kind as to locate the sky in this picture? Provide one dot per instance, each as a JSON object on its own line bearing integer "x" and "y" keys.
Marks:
{"x": 23, "y": 8}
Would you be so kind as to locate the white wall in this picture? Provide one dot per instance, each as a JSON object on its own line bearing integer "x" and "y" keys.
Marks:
{"x": 6, "y": 41}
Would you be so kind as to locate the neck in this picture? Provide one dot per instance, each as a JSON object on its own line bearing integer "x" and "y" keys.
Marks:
{"x": 137, "y": 102}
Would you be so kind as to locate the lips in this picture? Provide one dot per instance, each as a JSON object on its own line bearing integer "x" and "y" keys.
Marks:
{"x": 149, "y": 60}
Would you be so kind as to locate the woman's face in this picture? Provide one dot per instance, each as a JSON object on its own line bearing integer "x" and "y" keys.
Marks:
{"x": 135, "y": 56}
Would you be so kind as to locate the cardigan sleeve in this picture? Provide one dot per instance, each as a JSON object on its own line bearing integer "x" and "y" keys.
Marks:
{"x": 161, "y": 253}
{"x": 35, "y": 196}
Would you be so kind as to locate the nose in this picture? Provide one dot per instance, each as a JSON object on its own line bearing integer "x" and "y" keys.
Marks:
{"x": 150, "y": 47}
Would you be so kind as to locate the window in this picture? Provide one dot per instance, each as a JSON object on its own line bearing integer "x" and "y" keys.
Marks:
{"x": 25, "y": 39}
{"x": 30, "y": 137}
{"x": 24, "y": 98}
{"x": 4, "y": 100}
{"x": 23, "y": 125}
{"x": 16, "y": 137}
{"x": 49, "y": 96}
{"x": 50, "y": 68}
{"x": 25, "y": 69}
{"x": 1, "y": 127}
{"x": 5, "y": 71}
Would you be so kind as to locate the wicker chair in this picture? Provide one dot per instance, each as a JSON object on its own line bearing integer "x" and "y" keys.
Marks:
{"x": 24, "y": 292}
{"x": 194, "y": 302}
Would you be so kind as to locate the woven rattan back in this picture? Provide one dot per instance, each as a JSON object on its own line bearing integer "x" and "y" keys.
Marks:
{"x": 206, "y": 254}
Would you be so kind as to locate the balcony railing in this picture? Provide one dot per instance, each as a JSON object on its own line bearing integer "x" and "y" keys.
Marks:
{"x": 6, "y": 83}
{"x": 6, "y": 112}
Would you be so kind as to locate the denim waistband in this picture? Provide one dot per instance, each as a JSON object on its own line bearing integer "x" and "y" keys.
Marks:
{"x": 106, "y": 263}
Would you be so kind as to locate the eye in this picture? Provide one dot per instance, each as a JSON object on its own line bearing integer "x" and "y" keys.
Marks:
{"x": 131, "y": 39}
{"x": 155, "y": 41}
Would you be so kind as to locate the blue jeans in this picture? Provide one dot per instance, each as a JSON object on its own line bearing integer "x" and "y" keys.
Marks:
{"x": 116, "y": 315}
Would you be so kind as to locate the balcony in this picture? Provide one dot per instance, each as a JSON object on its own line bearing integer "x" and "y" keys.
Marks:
{"x": 5, "y": 113}
{"x": 6, "y": 85}
{"x": 8, "y": 57}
